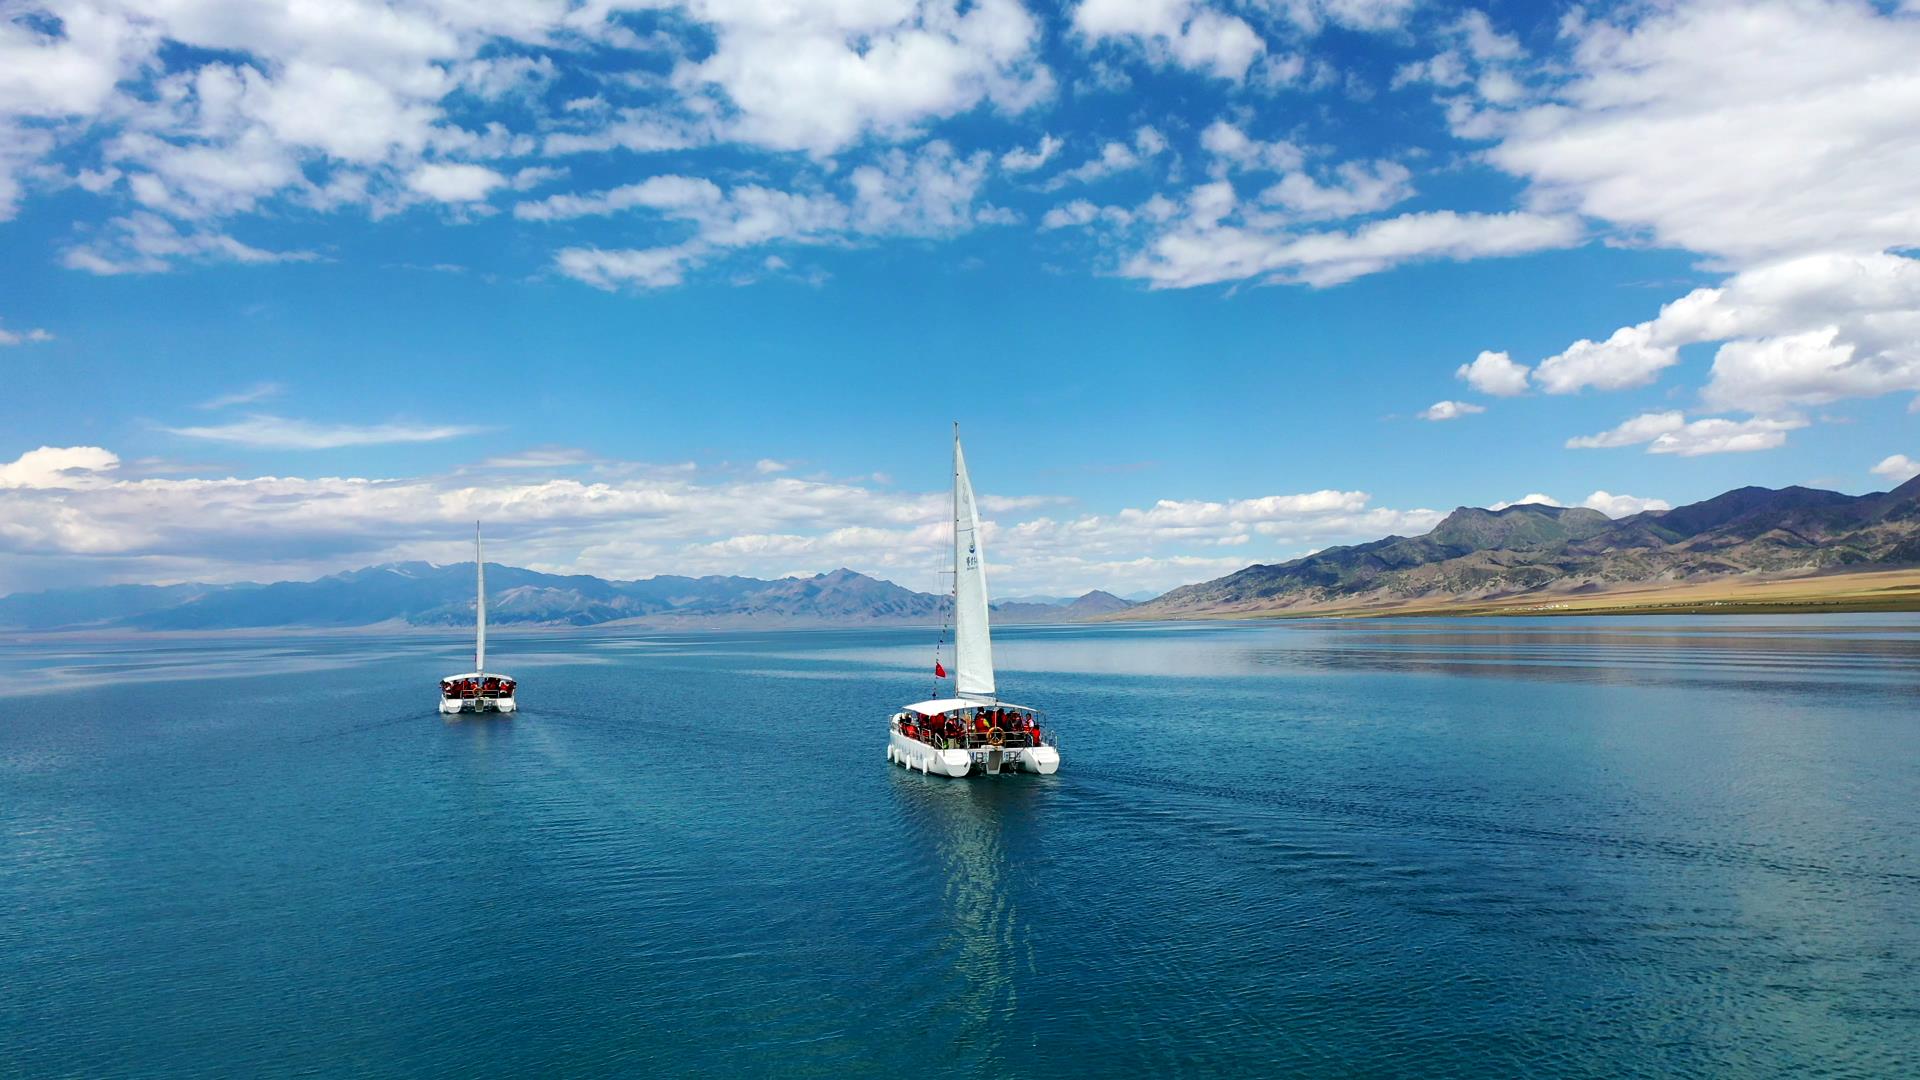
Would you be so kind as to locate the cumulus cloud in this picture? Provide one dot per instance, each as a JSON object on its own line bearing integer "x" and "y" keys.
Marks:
{"x": 1897, "y": 468}
{"x": 455, "y": 183}
{"x": 1217, "y": 238}
{"x": 1619, "y": 506}
{"x": 1183, "y": 32}
{"x": 1373, "y": 15}
{"x": 1232, "y": 148}
{"x": 145, "y": 243}
{"x": 1020, "y": 159}
{"x": 1355, "y": 188}
{"x": 1751, "y": 132}
{"x": 1450, "y": 410}
{"x": 35, "y": 336}
{"x": 1115, "y": 157}
{"x": 191, "y": 112}
{"x": 928, "y": 191}
{"x": 1614, "y": 506}
{"x": 1671, "y": 433}
{"x": 1628, "y": 358}
{"x": 1773, "y": 137}
{"x": 818, "y": 77}
{"x": 1805, "y": 331}
{"x": 1534, "y": 499}
{"x": 58, "y": 467}
{"x": 69, "y": 510}
{"x": 1494, "y": 373}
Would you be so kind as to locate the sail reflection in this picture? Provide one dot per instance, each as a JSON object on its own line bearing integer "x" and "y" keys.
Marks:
{"x": 972, "y": 835}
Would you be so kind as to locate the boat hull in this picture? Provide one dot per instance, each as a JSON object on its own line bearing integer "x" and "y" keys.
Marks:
{"x": 452, "y": 706}
{"x": 914, "y": 755}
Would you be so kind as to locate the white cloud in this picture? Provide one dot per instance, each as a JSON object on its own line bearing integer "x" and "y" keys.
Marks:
{"x": 1534, "y": 499}
{"x": 257, "y": 392}
{"x": 35, "y": 336}
{"x": 1184, "y": 32}
{"x": 1628, "y": 358}
{"x": 455, "y": 183}
{"x": 1897, "y": 468}
{"x": 1751, "y": 132}
{"x": 144, "y": 243}
{"x": 644, "y": 268}
{"x": 1115, "y": 157}
{"x": 1494, "y": 373}
{"x": 1450, "y": 410}
{"x": 1806, "y": 331}
{"x": 1217, "y": 239}
{"x": 1774, "y": 137}
{"x": 1619, "y": 506}
{"x": 1643, "y": 428}
{"x": 69, "y": 511}
{"x": 281, "y": 433}
{"x": 1357, "y": 187}
{"x": 818, "y": 77}
{"x": 767, "y": 466}
{"x": 928, "y": 191}
{"x": 1020, "y": 160}
{"x": 58, "y": 467}
{"x": 1231, "y": 146}
{"x": 1068, "y": 215}
{"x": 359, "y": 102}
{"x": 1671, "y": 433}
{"x": 1373, "y": 15}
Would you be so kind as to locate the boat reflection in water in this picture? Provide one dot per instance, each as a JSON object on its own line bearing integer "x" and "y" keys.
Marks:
{"x": 965, "y": 843}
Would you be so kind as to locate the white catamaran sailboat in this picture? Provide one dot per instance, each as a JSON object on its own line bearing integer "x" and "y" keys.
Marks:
{"x": 478, "y": 691}
{"x": 973, "y": 731}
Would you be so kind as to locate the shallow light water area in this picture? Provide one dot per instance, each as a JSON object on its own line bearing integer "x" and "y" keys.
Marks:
{"x": 1570, "y": 847}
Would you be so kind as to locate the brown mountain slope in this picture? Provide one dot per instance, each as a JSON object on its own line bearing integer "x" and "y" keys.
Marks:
{"x": 1482, "y": 556}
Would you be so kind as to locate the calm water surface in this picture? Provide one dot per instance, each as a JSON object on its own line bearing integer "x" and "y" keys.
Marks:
{"x": 1421, "y": 848}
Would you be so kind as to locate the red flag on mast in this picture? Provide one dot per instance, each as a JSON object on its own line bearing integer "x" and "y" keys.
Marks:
{"x": 938, "y": 671}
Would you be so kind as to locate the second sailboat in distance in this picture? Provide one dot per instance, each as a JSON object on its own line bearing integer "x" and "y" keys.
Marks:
{"x": 973, "y": 731}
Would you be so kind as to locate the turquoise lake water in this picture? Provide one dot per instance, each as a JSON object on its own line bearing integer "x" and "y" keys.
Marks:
{"x": 1450, "y": 848}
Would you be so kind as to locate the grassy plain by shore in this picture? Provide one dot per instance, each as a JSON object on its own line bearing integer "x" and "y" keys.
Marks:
{"x": 1856, "y": 591}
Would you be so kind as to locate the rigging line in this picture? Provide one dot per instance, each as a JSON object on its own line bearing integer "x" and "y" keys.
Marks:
{"x": 946, "y": 612}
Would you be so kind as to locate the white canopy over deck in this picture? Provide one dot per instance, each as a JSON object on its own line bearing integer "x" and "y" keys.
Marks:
{"x": 939, "y": 706}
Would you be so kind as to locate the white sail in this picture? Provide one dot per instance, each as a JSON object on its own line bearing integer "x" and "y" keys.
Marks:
{"x": 972, "y": 642}
{"x": 479, "y": 605}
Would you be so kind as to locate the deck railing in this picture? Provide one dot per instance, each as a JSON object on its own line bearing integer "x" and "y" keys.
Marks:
{"x": 970, "y": 739}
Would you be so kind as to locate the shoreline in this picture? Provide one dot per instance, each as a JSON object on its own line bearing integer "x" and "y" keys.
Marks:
{"x": 1850, "y": 592}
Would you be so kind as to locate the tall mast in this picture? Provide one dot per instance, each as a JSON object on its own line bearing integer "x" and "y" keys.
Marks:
{"x": 479, "y": 605}
{"x": 954, "y": 491}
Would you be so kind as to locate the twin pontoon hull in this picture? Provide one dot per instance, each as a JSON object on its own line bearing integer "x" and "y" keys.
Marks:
{"x": 450, "y": 706}
{"x": 913, "y": 754}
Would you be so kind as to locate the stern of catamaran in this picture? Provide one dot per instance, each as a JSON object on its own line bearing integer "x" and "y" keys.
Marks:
{"x": 962, "y": 737}
{"x": 477, "y": 691}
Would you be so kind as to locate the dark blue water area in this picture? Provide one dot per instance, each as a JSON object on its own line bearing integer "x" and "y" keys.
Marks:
{"x": 1446, "y": 848}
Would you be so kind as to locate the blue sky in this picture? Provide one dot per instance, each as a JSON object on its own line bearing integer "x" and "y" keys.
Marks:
{"x": 696, "y": 288}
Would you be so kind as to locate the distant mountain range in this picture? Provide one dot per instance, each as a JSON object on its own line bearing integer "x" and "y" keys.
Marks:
{"x": 1523, "y": 551}
{"x": 425, "y": 594}
{"x": 1547, "y": 550}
